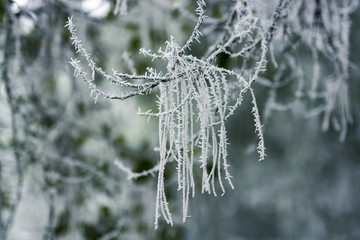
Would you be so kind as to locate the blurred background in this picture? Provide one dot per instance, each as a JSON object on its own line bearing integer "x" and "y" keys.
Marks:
{"x": 58, "y": 179}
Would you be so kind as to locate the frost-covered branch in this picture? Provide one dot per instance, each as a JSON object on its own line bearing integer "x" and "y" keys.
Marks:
{"x": 200, "y": 11}
{"x": 196, "y": 96}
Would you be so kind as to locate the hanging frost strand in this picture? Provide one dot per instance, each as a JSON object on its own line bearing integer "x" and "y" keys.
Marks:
{"x": 258, "y": 127}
